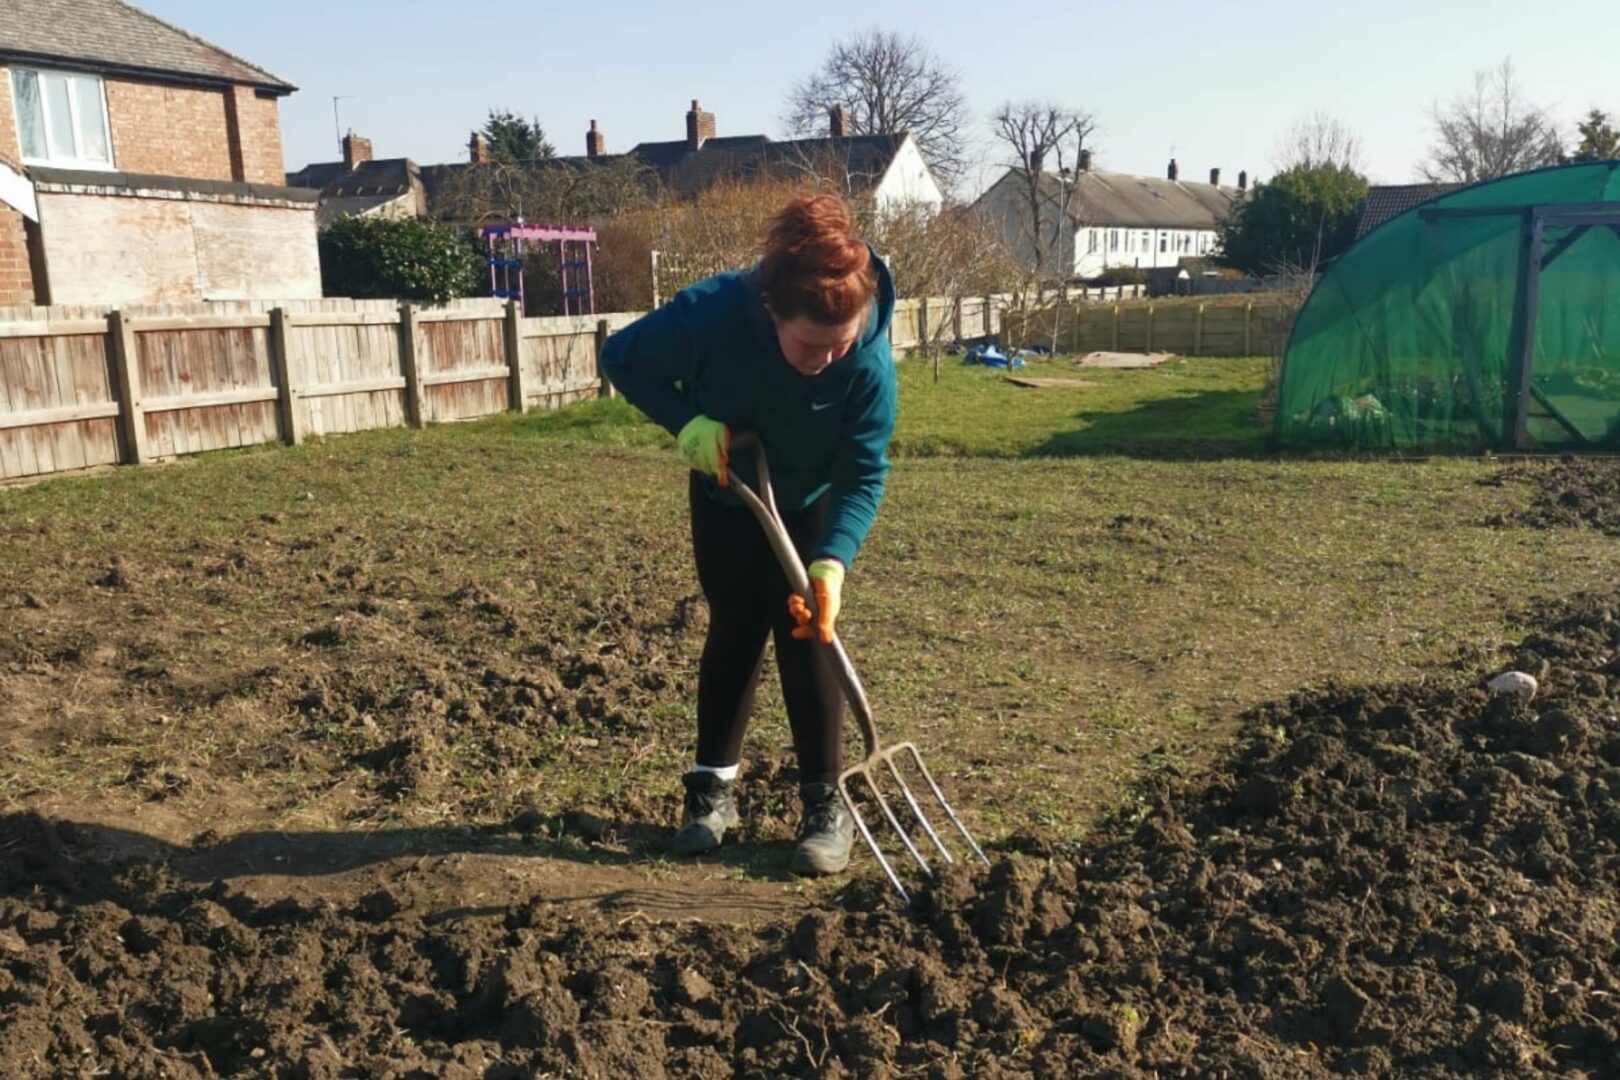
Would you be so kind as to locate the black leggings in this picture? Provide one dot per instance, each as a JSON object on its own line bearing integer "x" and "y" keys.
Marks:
{"x": 747, "y": 594}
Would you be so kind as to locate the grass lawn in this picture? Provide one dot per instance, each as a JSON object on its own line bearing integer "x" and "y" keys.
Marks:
{"x": 1065, "y": 587}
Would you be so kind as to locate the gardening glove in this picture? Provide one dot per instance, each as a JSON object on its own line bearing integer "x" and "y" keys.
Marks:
{"x": 827, "y": 586}
{"x": 705, "y": 444}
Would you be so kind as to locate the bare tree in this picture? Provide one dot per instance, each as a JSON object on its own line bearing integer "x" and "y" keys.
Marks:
{"x": 1491, "y": 131}
{"x": 887, "y": 83}
{"x": 539, "y": 191}
{"x": 1036, "y": 134}
{"x": 1317, "y": 139}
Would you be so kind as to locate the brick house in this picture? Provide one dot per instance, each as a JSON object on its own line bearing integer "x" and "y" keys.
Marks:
{"x": 889, "y": 170}
{"x": 140, "y": 164}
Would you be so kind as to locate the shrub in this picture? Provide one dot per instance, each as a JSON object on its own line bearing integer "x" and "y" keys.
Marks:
{"x": 371, "y": 258}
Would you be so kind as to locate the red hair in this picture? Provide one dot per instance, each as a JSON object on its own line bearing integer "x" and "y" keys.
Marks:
{"x": 814, "y": 264}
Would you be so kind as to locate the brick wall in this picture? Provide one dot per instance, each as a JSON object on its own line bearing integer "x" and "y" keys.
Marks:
{"x": 10, "y": 148}
{"x": 169, "y": 130}
{"x": 180, "y": 131}
{"x": 16, "y": 279}
{"x": 257, "y": 149}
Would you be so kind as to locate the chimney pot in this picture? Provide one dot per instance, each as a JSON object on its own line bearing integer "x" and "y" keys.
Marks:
{"x": 1174, "y": 171}
{"x": 1243, "y": 180}
{"x": 1215, "y": 177}
{"x": 595, "y": 142}
{"x": 1085, "y": 161}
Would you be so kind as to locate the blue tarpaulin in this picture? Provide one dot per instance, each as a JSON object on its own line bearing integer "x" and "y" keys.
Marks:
{"x": 990, "y": 356}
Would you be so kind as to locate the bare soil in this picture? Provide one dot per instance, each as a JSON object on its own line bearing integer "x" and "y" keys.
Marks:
{"x": 1409, "y": 880}
{"x": 1570, "y": 492}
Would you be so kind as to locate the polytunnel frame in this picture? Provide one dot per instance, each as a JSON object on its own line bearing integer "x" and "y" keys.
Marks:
{"x": 1534, "y": 259}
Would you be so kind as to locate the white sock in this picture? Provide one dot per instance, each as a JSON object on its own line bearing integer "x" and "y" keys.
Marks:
{"x": 727, "y": 773}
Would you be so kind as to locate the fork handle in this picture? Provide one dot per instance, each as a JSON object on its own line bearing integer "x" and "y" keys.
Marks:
{"x": 763, "y": 504}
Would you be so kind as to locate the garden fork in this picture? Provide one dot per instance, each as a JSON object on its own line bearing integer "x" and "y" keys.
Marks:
{"x": 763, "y": 504}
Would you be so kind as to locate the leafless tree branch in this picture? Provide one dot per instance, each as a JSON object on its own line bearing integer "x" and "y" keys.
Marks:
{"x": 1491, "y": 131}
{"x": 887, "y": 83}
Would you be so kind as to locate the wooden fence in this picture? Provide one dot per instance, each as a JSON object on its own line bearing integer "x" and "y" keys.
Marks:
{"x": 88, "y": 386}
{"x": 81, "y": 387}
{"x": 1255, "y": 325}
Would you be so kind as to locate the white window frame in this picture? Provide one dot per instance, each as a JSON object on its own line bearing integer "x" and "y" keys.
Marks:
{"x": 53, "y": 159}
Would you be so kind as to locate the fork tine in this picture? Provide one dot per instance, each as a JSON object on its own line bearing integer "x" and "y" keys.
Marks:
{"x": 943, "y": 802}
{"x": 916, "y": 810}
{"x": 866, "y": 833}
{"x": 894, "y": 823}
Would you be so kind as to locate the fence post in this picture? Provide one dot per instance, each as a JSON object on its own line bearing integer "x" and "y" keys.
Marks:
{"x": 126, "y": 363}
{"x": 989, "y": 318}
{"x": 1113, "y": 340}
{"x": 922, "y": 323}
{"x": 1149, "y": 344}
{"x": 956, "y": 318}
{"x": 1248, "y": 315}
{"x": 408, "y": 361}
{"x": 513, "y": 339}
{"x": 605, "y": 385}
{"x": 1198, "y": 333}
{"x": 289, "y": 396}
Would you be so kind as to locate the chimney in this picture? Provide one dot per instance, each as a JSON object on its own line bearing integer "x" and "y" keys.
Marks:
{"x": 1215, "y": 178}
{"x": 1175, "y": 170}
{"x": 595, "y": 142}
{"x": 355, "y": 151}
{"x": 1085, "y": 161}
{"x": 1243, "y": 180}
{"x": 699, "y": 127}
{"x": 477, "y": 150}
{"x": 1036, "y": 161}
{"x": 839, "y": 122}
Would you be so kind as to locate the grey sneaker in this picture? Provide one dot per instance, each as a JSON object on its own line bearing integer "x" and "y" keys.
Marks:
{"x": 709, "y": 810}
{"x": 826, "y": 832}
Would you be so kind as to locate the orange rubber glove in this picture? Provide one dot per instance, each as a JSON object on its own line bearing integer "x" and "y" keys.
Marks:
{"x": 827, "y": 587}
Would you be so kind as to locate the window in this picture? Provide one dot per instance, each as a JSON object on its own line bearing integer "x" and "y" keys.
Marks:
{"x": 1091, "y": 241}
{"x": 1147, "y": 241}
{"x": 61, "y": 118}
{"x": 1164, "y": 243}
{"x": 1203, "y": 243}
{"x": 1113, "y": 239}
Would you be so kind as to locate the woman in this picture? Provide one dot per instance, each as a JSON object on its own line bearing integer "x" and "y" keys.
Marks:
{"x": 796, "y": 351}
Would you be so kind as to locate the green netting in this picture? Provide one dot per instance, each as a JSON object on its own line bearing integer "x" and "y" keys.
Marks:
{"x": 1412, "y": 337}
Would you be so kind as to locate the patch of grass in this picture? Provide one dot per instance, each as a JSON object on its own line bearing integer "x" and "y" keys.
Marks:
{"x": 1184, "y": 408}
{"x": 1065, "y": 588}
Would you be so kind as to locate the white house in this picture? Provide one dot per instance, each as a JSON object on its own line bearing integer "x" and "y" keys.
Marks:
{"x": 1110, "y": 219}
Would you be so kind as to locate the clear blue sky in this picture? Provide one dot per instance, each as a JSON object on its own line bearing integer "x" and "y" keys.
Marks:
{"x": 1216, "y": 81}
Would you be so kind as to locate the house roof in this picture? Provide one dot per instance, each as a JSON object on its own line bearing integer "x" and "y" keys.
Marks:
{"x": 370, "y": 185}
{"x": 1115, "y": 199}
{"x": 686, "y": 172}
{"x": 1385, "y": 201}
{"x": 112, "y": 35}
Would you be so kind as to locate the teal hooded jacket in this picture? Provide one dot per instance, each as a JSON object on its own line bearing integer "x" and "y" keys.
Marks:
{"x": 713, "y": 350}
